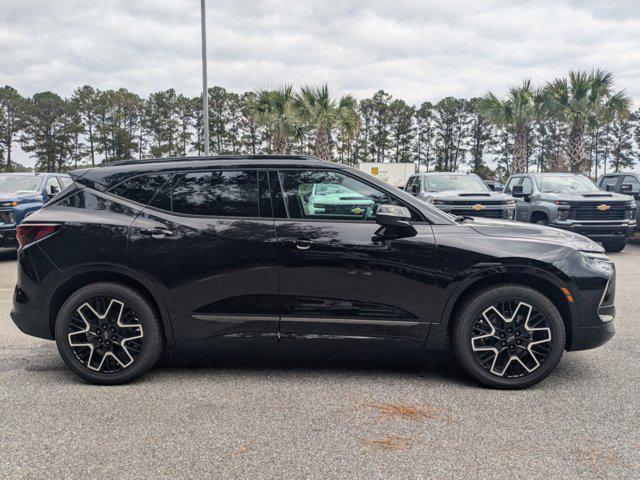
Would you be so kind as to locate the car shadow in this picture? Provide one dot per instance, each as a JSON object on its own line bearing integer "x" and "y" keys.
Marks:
{"x": 8, "y": 254}
{"x": 316, "y": 358}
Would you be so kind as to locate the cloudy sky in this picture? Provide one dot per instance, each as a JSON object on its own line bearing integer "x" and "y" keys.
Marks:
{"x": 415, "y": 50}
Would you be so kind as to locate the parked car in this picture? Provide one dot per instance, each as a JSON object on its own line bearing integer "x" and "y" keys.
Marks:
{"x": 495, "y": 185}
{"x": 22, "y": 194}
{"x": 461, "y": 194}
{"x": 140, "y": 254}
{"x": 626, "y": 183}
{"x": 573, "y": 202}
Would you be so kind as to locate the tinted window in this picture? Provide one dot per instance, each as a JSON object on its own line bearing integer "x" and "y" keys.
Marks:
{"x": 610, "y": 180}
{"x": 328, "y": 195}
{"x": 633, "y": 181}
{"x": 217, "y": 193}
{"x": 142, "y": 188}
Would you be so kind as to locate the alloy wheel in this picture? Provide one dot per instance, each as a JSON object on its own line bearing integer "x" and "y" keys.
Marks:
{"x": 105, "y": 335}
{"x": 511, "y": 338}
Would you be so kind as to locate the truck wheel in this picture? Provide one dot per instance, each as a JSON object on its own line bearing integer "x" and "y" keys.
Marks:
{"x": 613, "y": 247}
{"x": 508, "y": 336}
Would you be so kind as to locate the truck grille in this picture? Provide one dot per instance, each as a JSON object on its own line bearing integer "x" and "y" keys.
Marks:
{"x": 480, "y": 213}
{"x": 347, "y": 210}
{"x": 474, "y": 202}
{"x": 597, "y": 211}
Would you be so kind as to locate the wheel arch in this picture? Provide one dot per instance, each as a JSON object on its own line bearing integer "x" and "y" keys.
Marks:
{"x": 539, "y": 280}
{"x": 73, "y": 282}
{"x": 538, "y": 215}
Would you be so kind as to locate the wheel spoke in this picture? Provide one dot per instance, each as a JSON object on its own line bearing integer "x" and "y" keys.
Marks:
{"x": 511, "y": 338}
{"x": 105, "y": 335}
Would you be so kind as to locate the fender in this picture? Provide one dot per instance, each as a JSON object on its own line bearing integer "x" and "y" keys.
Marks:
{"x": 102, "y": 268}
{"x": 438, "y": 331}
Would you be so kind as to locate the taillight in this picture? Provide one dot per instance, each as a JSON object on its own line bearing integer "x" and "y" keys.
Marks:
{"x": 28, "y": 233}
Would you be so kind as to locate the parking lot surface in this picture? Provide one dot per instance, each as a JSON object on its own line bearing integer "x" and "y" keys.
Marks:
{"x": 280, "y": 412}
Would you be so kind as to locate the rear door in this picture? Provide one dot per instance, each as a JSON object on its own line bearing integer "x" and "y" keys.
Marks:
{"x": 207, "y": 240}
{"x": 337, "y": 279}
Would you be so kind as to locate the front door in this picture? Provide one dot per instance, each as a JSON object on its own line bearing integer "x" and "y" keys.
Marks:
{"x": 208, "y": 239}
{"x": 337, "y": 279}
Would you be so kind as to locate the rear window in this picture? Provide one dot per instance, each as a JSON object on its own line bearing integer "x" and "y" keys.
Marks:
{"x": 224, "y": 193}
{"x": 142, "y": 188}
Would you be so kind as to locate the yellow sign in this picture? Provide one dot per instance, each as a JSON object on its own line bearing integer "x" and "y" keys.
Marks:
{"x": 603, "y": 207}
{"x": 478, "y": 207}
{"x": 374, "y": 170}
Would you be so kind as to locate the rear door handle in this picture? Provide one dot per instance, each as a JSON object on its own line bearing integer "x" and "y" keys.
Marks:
{"x": 156, "y": 233}
{"x": 300, "y": 243}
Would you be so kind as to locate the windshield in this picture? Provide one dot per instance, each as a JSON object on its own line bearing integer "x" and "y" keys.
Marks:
{"x": 565, "y": 184}
{"x": 19, "y": 183}
{"x": 440, "y": 183}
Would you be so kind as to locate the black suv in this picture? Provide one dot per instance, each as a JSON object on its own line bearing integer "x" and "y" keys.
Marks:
{"x": 142, "y": 254}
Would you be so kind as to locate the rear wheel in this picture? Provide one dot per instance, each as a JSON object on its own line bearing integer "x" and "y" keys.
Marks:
{"x": 108, "y": 334}
{"x": 613, "y": 247}
{"x": 508, "y": 336}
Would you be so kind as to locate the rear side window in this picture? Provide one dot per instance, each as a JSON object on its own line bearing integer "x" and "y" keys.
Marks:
{"x": 142, "y": 188}
{"x": 224, "y": 193}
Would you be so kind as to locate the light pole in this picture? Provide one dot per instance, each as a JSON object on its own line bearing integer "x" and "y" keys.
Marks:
{"x": 205, "y": 92}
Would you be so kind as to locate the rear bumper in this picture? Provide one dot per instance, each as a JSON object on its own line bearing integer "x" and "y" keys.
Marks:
{"x": 8, "y": 237}
{"x": 599, "y": 233}
{"x": 34, "y": 322}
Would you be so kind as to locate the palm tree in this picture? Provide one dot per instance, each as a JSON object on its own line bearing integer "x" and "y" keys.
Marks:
{"x": 582, "y": 99}
{"x": 323, "y": 113}
{"x": 516, "y": 113}
{"x": 274, "y": 109}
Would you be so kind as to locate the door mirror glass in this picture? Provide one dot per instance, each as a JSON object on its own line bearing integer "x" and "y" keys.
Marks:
{"x": 393, "y": 216}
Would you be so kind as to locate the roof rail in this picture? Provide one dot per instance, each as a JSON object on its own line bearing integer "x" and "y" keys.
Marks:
{"x": 213, "y": 157}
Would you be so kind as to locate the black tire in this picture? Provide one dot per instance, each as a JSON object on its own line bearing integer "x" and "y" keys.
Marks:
{"x": 469, "y": 321}
{"x": 614, "y": 247}
{"x": 134, "y": 335}
{"x": 542, "y": 221}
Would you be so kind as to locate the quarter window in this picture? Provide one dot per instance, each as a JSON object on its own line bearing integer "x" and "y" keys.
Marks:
{"x": 318, "y": 194}
{"x": 142, "y": 188}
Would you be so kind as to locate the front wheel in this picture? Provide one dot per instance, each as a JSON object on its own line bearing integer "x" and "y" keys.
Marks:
{"x": 508, "y": 336}
{"x": 613, "y": 247}
{"x": 107, "y": 334}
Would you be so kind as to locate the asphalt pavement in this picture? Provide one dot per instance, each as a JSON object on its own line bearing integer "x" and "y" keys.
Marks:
{"x": 285, "y": 412}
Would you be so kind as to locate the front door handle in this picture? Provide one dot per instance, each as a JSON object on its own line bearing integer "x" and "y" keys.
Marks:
{"x": 156, "y": 233}
{"x": 299, "y": 244}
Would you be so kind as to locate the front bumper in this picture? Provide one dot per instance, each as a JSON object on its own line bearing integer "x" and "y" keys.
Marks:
{"x": 599, "y": 232}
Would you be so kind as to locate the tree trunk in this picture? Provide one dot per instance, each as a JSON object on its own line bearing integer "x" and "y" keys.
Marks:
{"x": 322, "y": 148}
{"x": 279, "y": 143}
{"x": 519, "y": 163}
{"x": 576, "y": 150}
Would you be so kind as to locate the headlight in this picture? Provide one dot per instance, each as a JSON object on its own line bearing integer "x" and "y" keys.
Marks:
{"x": 563, "y": 214}
{"x": 561, "y": 202}
{"x": 598, "y": 261}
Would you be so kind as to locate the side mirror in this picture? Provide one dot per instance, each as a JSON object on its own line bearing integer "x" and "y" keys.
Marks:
{"x": 52, "y": 190}
{"x": 393, "y": 216}
{"x": 626, "y": 189}
{"x": 517, "y": 191}
{"x": 609, "y": 188}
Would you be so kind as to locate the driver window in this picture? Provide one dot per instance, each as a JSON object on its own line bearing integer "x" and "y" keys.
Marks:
{"x": 527, "y": 186}
{"x": 509, "y": 187}
{"x": 317, "y": 194}
{"x": 52, "y": 187}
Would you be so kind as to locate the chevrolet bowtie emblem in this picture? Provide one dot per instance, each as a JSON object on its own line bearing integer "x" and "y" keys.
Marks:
{"x": 478, "y": 206}
{"x": 357, "y": 210}
{"x": 603, "y": 207}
